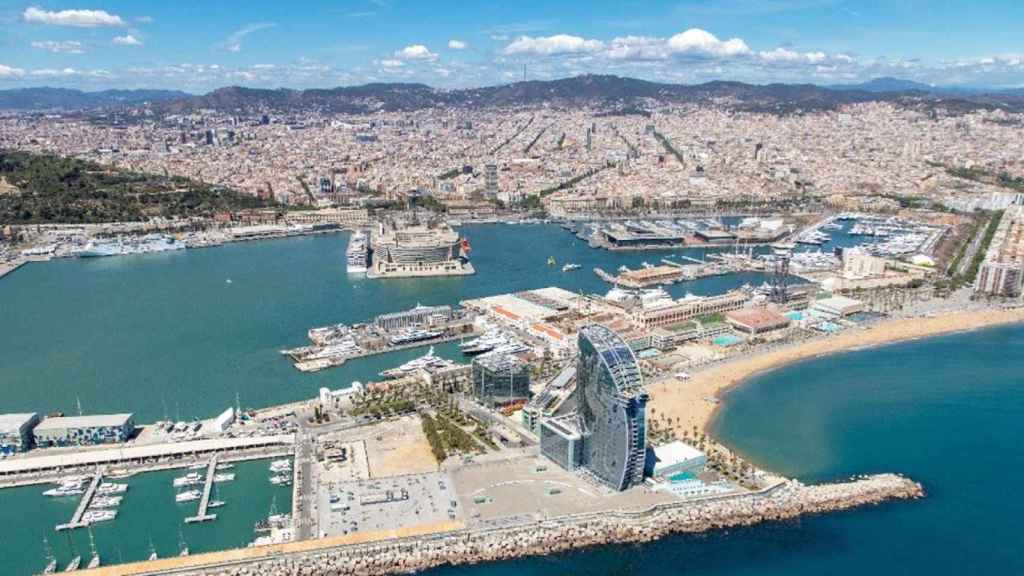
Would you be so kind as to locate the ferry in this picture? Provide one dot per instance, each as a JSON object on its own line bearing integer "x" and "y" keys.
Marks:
{"x": 428, "y": 362}
{"x": 188, "y": 496}
{"x": 357, "y": 253}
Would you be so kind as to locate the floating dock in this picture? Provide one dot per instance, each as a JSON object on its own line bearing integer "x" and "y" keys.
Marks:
{"x": 83, "y": 505}
{"x": 204, "y": 503}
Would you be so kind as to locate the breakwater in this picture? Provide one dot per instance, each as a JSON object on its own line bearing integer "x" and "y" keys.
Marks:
{"x": 782, "y": 501}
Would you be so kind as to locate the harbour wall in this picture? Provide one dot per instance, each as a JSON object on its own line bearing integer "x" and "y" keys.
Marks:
{"x": 784, "y": 500}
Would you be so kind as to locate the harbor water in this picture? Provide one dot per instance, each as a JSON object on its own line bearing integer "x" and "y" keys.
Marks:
{"x": 167, "y": 336}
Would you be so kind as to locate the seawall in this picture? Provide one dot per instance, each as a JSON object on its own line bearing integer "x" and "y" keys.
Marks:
{"x": 403, "y": 555}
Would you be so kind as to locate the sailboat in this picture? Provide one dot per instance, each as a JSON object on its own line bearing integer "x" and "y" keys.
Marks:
{"x": 74, "y": 564}
{"x": 51, "y": 562}
{"x": 94, "y": 562}
{"x": 152, "y": 550}
{"x": 182, "y": 545}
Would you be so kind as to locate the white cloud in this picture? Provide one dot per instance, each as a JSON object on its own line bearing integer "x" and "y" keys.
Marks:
{"x": 785, "y": 55}
{"x": 392, "y": 63}
{"x": 637, "y": 47}
{"x": 697, "y": 41}
{"x": 234, "y": 41}
{"x": 10, "y": 72}
{"x": 127, "y": 40}
{"x": 415, "y": 52}
{"x": 457, "y": 45}
{"x": 145, "y": 19}
{"x": 59, "y": 47}
{"x": 552, "y": 45}
{"x": 77, "y": 18}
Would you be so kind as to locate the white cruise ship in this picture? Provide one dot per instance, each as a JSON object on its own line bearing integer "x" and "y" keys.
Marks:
{"x": 357, "y": 254}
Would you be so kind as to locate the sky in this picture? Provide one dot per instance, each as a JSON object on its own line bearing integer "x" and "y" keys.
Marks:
{"x": 199, "y": 45}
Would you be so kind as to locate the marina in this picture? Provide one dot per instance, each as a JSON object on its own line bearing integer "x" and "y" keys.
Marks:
{"x": 203, "y": 514}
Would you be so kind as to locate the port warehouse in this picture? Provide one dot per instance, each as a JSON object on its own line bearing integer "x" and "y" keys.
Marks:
{"x": 146, "y": 454}
{"x": 16, "y": 432}
{"x": 83, "y": 430}
{"x": 418, "y": 316}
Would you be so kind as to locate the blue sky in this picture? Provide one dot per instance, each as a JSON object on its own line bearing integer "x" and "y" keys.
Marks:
{"x": 199, "y": 45}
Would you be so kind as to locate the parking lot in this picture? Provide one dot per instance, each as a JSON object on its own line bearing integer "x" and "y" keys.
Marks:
{"x": 386, "y": 503}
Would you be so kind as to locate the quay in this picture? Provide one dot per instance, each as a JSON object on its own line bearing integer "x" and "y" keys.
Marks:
{"x": 83, "y": 505}
{"x": 202, "y": 515}
{"x": 33, "y": 469}
{"x": 8, "y": 267}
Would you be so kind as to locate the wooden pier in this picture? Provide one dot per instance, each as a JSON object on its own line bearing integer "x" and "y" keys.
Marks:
{"x": 83, "y": 505}
{"x": 204, "y": 503}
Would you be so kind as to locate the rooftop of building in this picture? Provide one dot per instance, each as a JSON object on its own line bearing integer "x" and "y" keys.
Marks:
{"x": 12, "y": 423}
{"x": 674, "y": 453}
{"x": 756, "y": 317}
{"x": 91, "y": 421}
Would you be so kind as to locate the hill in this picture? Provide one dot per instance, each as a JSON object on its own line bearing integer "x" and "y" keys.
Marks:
{"x": 45, "y": 98}
{"x": 42, "y": 188}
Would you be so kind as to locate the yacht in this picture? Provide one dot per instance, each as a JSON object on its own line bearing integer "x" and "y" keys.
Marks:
{"x": 225, "y": 477}
{"x": 281, "y": 480}
{"x": 100, "y": 502}
{"x": 485, "y": 343}
{"x": 108, "y": 488}
{"x": 225, "y": 466}
{"x": 428, "y": 362}
{"x": 215, "y": 503}
{"x": 64, "y": 491}
{"x": 188, "y": 496}
{"x": 92, "y": 516}
{"x": 284, "y": 465}
{"x": 570, "y": 267}
{"x": 357, "y": 253}
{"x": 190, "y": 479}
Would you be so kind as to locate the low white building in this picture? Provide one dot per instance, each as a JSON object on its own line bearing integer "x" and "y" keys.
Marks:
{"x": 226, "y": 419}
{"x": 676, "y": 457}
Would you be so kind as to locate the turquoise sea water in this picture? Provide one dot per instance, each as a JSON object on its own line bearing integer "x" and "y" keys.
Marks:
{"x": 945, "y": 411}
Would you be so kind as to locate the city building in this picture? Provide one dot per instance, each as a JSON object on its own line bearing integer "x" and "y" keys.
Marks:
{"x": 561, "y": 440}
{"x": 500, "y": 379}
{"x": 610, "y": 405}
{"x": 83, "y": 430}
{"x": 837, "y": 306}
{"x": 419, "y": 316}
{"x": 754, "y": 321}
{"x": 858, "y": 263}
{"x": 1002, "y": 271}
{"x": 675, "y": 458}
{"x": 491, "y": 180}
{"x": 16, "y": 432}
{"x": 684, "y": 309}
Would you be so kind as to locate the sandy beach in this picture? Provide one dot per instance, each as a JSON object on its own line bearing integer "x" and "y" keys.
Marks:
{"x": 692, "y": 401}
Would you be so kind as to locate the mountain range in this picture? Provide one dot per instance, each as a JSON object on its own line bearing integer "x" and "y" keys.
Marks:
{"x": 603, "y": 90}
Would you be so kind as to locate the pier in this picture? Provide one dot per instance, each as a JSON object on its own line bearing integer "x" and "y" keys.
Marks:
{"x": 83, "y": 505}
{"x": 202, "y": 515}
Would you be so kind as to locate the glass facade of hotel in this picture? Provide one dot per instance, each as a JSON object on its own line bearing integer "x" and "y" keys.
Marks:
{"x": 612, "y": 403}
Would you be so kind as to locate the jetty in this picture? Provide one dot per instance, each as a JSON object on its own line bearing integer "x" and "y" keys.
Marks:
{"x": 83, "y": 504}
{"x": 203, "y": 514}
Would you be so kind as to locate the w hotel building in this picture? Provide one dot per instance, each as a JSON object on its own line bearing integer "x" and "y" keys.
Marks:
{"x": 607, "y": 435}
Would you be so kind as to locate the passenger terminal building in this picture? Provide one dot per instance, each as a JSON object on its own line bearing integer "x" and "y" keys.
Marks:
{"x": 606, "y": 435}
